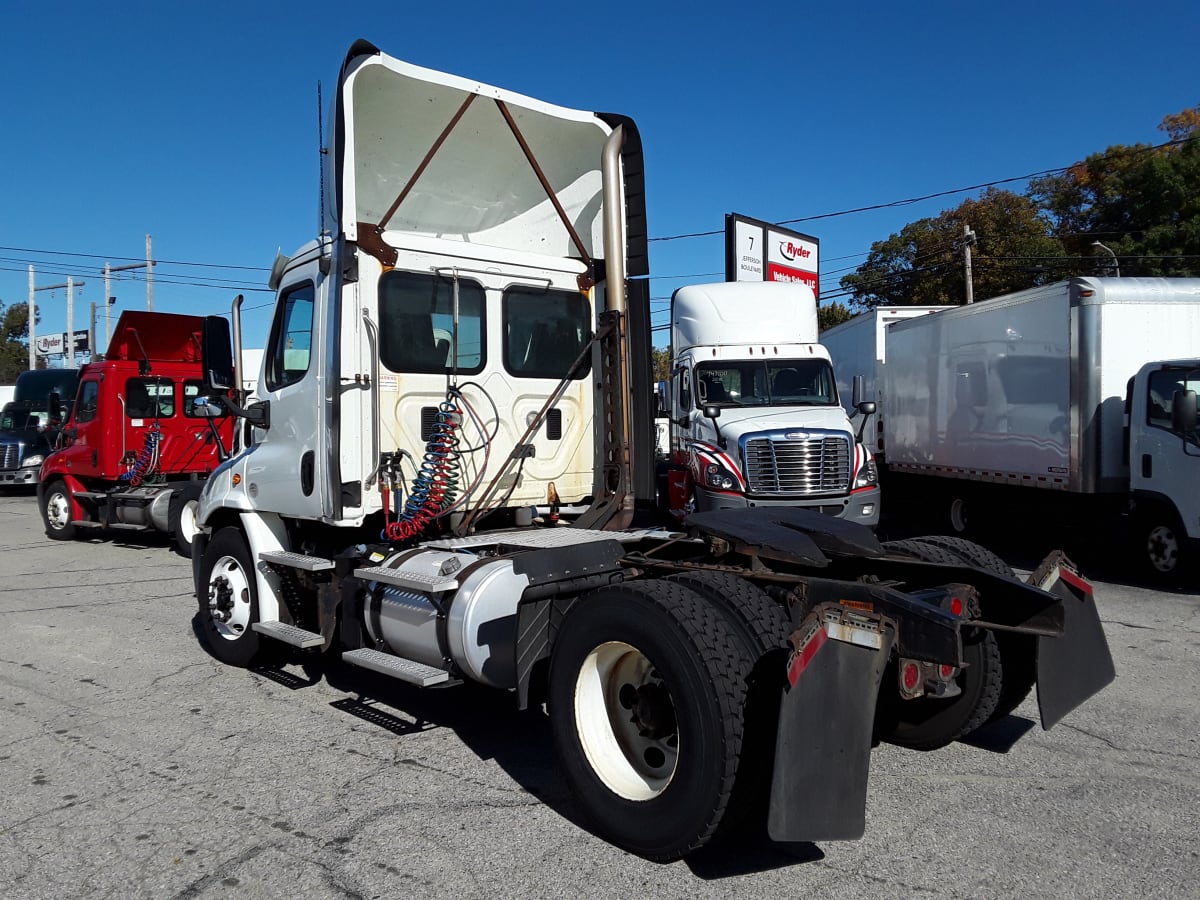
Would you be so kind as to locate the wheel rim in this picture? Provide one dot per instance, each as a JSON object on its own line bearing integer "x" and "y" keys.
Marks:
{"x": 958, "y": 515}
{"x": 625, "y": 719}
{"x": 229, "y": 598}
{"x": 187, "y": 521}
{"x": 58, "y": 510}
{"x": 1162, "y": 547}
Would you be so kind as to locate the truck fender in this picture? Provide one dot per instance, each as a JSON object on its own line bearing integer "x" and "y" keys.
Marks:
{"x": 74, "y": 485}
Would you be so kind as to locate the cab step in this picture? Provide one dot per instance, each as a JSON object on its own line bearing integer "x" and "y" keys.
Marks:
{"x": 296, "y": 560}
{"x": 397, "y": 667}
{"x": 416, "y": 581}
{"x": 289, "y": 634}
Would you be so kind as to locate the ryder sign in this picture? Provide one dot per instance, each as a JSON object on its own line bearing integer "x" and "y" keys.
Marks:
{"x": 760, "y": 251}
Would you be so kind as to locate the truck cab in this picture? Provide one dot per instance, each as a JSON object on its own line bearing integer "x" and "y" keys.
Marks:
{"x": 28, "y": 431}
{"x": 755, "y": 414}
{"x": 1164, "y": 462}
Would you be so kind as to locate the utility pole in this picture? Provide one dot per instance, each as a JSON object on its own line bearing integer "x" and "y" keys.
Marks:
{"x": 32, "y": 324}
{"x": 149, "y": 276}
{"x": 109, "y": 299}
{"x": 92, "y": 334}
{"x": 968, "y": 241}
{"x": 71, "y": 284}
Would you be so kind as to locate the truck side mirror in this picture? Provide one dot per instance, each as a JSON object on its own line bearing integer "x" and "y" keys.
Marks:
{"x": 857, "y": 390}
{"x": 216, "y": 354}
{"x": 208, "y": 408}
{"x": 712, "y": 412}
{"x": 1183, "y": 412}
{"x": 866, "y": 407}
{"x": 55, "y": 406}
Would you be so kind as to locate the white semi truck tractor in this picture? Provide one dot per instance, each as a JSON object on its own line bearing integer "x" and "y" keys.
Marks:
{"x": 451, "y": 479}
{"x": 754, "y": 408}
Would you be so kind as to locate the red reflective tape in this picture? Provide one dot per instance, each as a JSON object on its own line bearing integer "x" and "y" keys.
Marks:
{"x": 1074, "y": 580}
{"x": 802, "y": 657}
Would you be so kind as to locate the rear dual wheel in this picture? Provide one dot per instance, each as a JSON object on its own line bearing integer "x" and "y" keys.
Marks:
{"x": 647, "y": 697}
{"x": 928, "y": 723}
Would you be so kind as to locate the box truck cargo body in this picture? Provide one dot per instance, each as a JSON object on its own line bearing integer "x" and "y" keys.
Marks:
{"x": 1037, "y": 390}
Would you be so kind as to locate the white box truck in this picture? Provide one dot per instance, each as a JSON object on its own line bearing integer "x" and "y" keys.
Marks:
{"x": 754, "y": 411}
{"x": 1071, "y": 398}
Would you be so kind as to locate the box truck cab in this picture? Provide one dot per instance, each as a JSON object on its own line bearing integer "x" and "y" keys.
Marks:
{"x": 755, "y": 413}
{"x": 1164, "y": 462}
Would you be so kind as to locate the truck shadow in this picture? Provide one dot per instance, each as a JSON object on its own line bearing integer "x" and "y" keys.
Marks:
{"x": 1023, "y": 544}
{"x": 487, "y": 721}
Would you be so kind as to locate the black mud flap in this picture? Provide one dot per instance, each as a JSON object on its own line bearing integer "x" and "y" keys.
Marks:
{"x": 826, "y": 718}
{"x": 1076, "y": 664}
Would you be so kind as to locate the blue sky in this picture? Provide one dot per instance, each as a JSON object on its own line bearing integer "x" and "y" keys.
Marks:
{"x": 196, "y": 123}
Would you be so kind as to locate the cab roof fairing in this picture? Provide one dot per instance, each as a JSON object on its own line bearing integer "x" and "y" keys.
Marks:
{"x": 423, "y": 152}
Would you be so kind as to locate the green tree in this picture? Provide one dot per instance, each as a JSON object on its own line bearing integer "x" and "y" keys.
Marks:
{"x": 832, "y": 314}
{"x": 14, "y": 341}
{"x": 662, "y": 363}
{"x": 1140, "y": 201}
{"x": 924, "y": 263}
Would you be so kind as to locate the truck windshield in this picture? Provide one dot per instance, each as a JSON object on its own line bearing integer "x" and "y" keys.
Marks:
{"x": 776, "y": 382}
{"x": 18, "y": 419}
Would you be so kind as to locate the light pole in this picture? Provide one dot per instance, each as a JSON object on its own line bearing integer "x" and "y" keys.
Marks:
{"x": 1116, "y": 266}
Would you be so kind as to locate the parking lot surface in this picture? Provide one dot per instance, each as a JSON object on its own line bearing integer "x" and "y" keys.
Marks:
{"x": 133, "y": 764}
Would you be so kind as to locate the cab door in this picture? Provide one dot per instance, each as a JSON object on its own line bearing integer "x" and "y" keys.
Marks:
{"x": 285, "y": 469}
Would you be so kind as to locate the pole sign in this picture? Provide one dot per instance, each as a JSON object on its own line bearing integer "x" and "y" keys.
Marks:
{"x": 759, "y": 251}
{"x": 56, "y": 344}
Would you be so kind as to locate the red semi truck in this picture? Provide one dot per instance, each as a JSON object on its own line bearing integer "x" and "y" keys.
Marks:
{"x": 134, "y": 455}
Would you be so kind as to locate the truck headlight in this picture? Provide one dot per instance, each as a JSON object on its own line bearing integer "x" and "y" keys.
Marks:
{"x": 868, "y": 476}
{"x": 719, "y": 477}
{"x": 31, "y": 461}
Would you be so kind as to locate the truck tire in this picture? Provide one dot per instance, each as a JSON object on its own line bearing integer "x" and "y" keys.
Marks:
{"x": 1018, "y": 652}
{"x": 181, "y": 517}
{"x": 929, "y": 553}
{"x": 646, "y": 696}
{"x": 959, "y": 511}
{"x": 56, "y": 511}
{"x": 970, "y": 553}
{"x": 1159, "y": 542}
{"x": 763, "y": 623}
{"x": 228, "y": 599}
{"x": 764, "y": 626}
{"x": 928, "y": 723}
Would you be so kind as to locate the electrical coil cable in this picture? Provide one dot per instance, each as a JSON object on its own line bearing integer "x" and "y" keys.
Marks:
{"x": 147, "y": 460}
{"x": 434, "y": 488}
{"x": 440, "y": 473}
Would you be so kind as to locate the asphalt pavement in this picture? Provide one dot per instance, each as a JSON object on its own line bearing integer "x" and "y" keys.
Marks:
{"x": 133, "y": 764}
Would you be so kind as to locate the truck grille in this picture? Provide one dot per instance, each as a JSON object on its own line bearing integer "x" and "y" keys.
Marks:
{"x": 10, "y": 455}
{"x": 819, "y": 464}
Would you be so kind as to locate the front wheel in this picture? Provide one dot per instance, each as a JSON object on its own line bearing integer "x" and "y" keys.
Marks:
{"x": 56, "y": 511}
{"x": 646, "y": 696}
{"x": 228, "y": 598}
{"x": 1159, "y": 544}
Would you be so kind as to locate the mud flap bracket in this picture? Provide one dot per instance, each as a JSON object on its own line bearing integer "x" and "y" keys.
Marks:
{"x": 826, "y": 719}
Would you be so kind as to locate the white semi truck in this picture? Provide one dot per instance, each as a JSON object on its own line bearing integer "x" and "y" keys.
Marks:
{"x": 1075, "y": 399}
{"x": 754, "y": 410}
{"x": 448, "y": 382}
